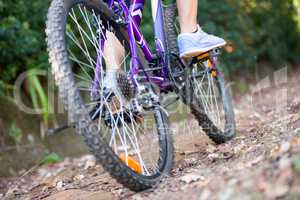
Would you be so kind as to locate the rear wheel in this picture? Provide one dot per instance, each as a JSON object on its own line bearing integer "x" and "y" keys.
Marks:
{"x": 127, "y": 136}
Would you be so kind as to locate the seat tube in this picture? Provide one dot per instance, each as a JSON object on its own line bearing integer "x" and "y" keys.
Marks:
{"x": 160, "y": 37}
{"x": 158, "y": 20}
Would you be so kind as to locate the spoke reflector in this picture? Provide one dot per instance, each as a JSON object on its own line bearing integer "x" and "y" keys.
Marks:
{"x": 131, "y": 163}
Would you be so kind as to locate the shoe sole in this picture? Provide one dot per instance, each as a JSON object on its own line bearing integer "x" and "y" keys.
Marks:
{"x": 194, "y": 53}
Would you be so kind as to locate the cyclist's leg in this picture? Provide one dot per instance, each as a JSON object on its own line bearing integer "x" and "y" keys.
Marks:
{"x": 187, "y": 11}
{"x": 193, "y": 40}
{"x": 113, "y": 51}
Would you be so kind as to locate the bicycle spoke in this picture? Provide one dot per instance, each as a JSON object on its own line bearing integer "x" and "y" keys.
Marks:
{"x": 204, "y": 87}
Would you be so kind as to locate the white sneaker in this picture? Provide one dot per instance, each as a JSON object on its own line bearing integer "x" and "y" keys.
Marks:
{"x": 193, "y": 44}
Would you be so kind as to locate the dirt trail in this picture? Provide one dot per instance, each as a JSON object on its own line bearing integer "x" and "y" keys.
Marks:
{"x": 262, "y": 162}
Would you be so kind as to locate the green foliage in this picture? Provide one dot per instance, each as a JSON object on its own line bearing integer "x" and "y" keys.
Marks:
{"x": 23, "y": 47}
{"x": 6, "y": 91}
{"x": 15, "y": 133}
{"x": 278, "y": 36}
{"x": 147, "y": 25}
{"x": 50, "y": 159}
{"x": 257, "y": 29}
{"x": 22, "y": 43}
{"x": 38, "y": 95}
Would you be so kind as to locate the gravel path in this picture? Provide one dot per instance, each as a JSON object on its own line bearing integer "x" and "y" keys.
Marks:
{"x": 262, "y": 162}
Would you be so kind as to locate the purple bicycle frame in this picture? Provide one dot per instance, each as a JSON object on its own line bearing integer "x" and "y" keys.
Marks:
{"x": 133, "y": 16}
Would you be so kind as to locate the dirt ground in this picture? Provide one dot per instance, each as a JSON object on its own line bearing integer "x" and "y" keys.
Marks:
{"x": 262, "y": 162}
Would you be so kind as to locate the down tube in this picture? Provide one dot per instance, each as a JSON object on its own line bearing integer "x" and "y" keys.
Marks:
{"x": 160, "y": 37}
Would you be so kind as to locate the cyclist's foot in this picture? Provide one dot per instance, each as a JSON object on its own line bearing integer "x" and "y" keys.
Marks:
{"x": 193, "y": 44}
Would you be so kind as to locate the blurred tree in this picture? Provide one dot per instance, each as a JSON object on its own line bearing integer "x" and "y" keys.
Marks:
{"x": 257, "y": 30}
{"x": 22, "y": 43}
{"x": 277, "y": 35}
{"x": 22, "y": 47}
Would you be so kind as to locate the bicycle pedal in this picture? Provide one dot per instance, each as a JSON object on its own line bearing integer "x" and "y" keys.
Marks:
{"x": 206, "y": 55}
{"x": 203, "y": 56}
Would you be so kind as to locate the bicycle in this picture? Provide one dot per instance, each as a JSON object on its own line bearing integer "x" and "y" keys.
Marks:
{"x": 126, "y": 127}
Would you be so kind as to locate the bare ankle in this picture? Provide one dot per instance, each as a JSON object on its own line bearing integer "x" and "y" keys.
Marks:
{"x": 189, "y": 29}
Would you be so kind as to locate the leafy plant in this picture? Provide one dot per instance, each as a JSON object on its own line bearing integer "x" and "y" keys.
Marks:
{"x": 39, "y": 99}
{"x": 50, "y": 159}
{"x": 38, "y": 95}
{"x": 15, "y": 133}
{"x": 22, "y": 36}
{"x": 6, "y": 90}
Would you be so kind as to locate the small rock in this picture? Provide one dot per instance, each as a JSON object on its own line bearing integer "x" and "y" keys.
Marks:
{"x": 12, "y": 191}
{"x": 189, "y": 178}
{"x": 213, "y": 156}
{"x": 211, "y": 148}
{"x": 238, "y": 148}
{"x": 59, "y": 185}
{"x": 225, "y": 148}
{"x": 190, "y": 161}
{"x": 119, "y": 192}
{"x": 280, "y": 149}
{"x": 78, "y": 177}
{"x": 90, "y": 163}
{"x": 85, "y": 161}
{"x": 45, "y": 188}
{"x": 255, "y": 161}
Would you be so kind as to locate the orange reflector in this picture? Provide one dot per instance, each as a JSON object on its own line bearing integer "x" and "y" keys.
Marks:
{"x": 209, "y": 64}
{"x": 214, "y": 73}
{"x": 132, "y": 164}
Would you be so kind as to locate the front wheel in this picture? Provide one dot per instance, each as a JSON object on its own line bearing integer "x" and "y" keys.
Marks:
{"x": 210, "y": 101}
{"x": 132, "y": 144}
